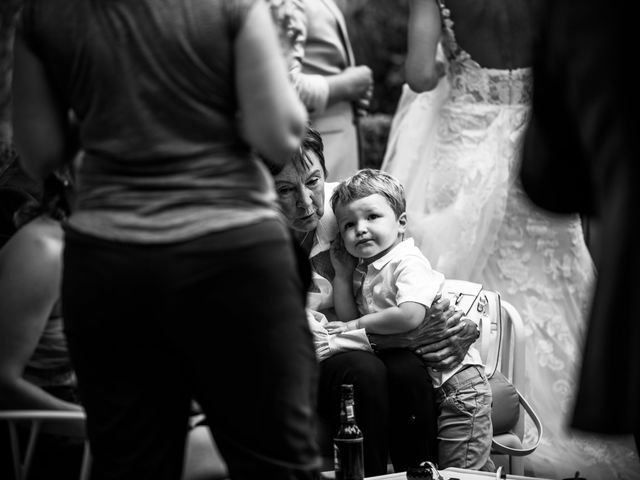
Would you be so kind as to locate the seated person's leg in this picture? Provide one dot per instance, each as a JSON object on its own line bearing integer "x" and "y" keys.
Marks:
{"x": 413, "y": 417}
{"x": 369, "y": 377}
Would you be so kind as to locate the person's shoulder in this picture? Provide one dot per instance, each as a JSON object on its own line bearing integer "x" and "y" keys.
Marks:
{"x": 409, "y": 258}
{"x": 39, "y": 242}
{"x": 407, "y": 251}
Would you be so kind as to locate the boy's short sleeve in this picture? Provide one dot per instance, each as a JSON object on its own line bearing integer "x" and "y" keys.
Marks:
{"x": 416, "y": 281}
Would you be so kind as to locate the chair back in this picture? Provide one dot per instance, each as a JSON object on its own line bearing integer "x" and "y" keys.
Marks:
{"x": 33, "y": 421}
{"x": 502, "y": 349}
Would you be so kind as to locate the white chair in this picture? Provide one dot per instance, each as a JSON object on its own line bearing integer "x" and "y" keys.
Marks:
{"x": 33, "y": 420}
{"x": 502, "y": 348}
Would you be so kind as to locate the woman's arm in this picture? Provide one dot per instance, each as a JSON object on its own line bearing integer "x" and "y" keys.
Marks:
{"x": 344, "y": 303}
{"x": 40, "y": 121}
{"x": 317, "y": 92}
{"x": 272, "y": 116}
{"x": 422, "y": 70}
{"x": 30, "y": 273}
{"x": 350, "y": 85}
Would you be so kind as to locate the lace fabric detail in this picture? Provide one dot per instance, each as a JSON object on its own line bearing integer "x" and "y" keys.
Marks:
{"x": 471, "y": 82}
{"x": 456, "y": 149}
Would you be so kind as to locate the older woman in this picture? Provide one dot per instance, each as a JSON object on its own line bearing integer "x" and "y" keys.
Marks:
{"x": 393, "y": 393}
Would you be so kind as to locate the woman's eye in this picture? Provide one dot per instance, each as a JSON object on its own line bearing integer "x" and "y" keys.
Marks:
{"x": 313, "y": 182}
{"x": 284, "y": 190}
{"x": 373, "y": 216}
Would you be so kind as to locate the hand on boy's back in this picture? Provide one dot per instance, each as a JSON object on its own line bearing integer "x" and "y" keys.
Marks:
{"x": 442, "y": 339}
{"x": 444, "y": 346}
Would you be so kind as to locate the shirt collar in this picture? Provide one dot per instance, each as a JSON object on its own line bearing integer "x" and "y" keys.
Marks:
{"x": 400, "y": 250}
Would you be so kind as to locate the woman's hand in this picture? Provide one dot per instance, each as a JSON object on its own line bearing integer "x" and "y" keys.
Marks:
{"x": 442, "y": 339}
{"x": 343, "y": 262}
{"x": 446, "y": 338}
{"x": 363, "y": 104}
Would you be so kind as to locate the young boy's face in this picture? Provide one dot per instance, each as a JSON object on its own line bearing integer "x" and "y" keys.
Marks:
{"x": 369, "y": 227}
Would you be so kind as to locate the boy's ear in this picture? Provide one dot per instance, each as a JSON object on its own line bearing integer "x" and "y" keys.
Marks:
{"x": 402, "y": 221}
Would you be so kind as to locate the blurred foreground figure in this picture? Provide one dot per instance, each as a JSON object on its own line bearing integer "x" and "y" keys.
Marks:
{"x": 582, "y": 155}
{"x": 176, "y": 262}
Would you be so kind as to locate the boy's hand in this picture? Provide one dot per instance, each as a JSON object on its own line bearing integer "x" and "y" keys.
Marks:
{"x": 343, "y": 262}
{"x": 339, "y": 327}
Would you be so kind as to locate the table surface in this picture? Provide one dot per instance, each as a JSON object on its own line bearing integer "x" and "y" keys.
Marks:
{"x": 447, "y": 474}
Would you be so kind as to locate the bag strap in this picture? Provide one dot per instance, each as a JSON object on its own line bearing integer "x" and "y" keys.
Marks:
{"x": 490, "y": 325}
{"x": 520, "y": 452}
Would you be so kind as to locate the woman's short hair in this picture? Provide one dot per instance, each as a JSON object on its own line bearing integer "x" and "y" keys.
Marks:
{"x": 369, "y": 181}
{"x": 311, "y": 142}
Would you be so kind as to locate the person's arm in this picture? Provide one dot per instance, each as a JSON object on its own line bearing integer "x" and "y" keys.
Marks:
{"x": 317, "y": 92}
{"x": 273, "y": 118}
{"x": 403, "y": 318}
{"x": 447, "y": 347}
{"x": 31, "y": 265}
{"x": 422, "y": 69}
{"x": 353, "y": 84}
{"x": 40, "y": 122}
{"x": 442, "y": 339}
{"x": 344, "y": 302}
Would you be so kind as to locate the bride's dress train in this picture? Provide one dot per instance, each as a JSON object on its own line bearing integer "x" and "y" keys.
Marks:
{"x": 456, "y": 150}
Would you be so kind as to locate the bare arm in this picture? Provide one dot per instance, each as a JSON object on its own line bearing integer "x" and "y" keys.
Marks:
{"x": 343, "y": 302}
{"x": 31, "y": 264}
{"x": 403, "y": 318}
{"x": 422, "y": 70}
{"x": 273, "y": 118}
{"x": 40, "y": 121}
{"x": 344, "y": 265}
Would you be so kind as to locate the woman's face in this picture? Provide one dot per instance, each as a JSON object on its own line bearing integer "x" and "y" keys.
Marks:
{"x": 300, "y": 192}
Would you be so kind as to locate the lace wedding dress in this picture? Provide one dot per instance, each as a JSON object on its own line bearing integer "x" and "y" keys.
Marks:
{"x": 456, "y": 150}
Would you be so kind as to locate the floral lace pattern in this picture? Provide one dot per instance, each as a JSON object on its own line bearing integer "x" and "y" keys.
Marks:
{"x": 470, "y": 82}
{"x": 457, "y": 149}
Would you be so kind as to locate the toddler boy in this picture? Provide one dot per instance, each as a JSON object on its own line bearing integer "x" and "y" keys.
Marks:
{"x": 384, "y": 284}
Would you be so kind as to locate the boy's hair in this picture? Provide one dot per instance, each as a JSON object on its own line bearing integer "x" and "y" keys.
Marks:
{"x": 367, "y": 182}
{"x": 311, "y": 142}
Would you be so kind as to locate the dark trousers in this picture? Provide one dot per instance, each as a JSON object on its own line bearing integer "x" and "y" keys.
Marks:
{"x": 413, "y": 414}
{"x": 394, "y": 405}
{"x": 151, "y": 327}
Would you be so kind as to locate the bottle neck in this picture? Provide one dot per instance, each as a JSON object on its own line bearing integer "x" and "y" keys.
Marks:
{"x": 347, "y": 415}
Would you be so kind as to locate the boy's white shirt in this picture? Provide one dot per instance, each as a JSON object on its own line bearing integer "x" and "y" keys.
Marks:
{"x": 404, "y": 275}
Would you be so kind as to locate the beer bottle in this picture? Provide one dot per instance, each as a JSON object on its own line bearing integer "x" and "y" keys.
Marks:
{"x": 347, "y": 444}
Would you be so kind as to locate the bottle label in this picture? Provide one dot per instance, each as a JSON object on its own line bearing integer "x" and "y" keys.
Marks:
{"x": 348, "y": 458}
{"x": 350, "y": 413}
